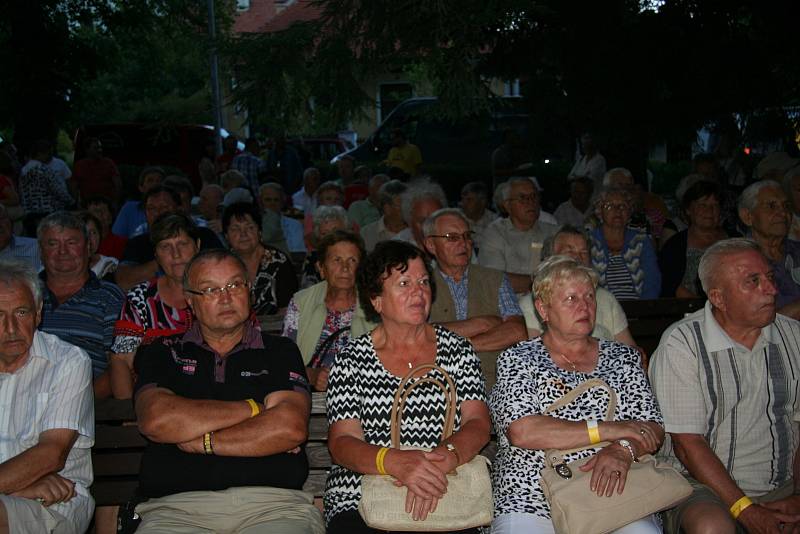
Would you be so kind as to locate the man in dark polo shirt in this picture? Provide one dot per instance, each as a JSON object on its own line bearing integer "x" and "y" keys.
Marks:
{"x": 225, "y": 408}
{"x": 138, "y": 262}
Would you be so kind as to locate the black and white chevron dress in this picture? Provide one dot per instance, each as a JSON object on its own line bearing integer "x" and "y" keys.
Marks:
{"x": 360, "y": 387}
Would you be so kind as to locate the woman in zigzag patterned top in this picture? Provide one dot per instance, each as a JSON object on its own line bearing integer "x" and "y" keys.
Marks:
{"x": 394, "y": 286}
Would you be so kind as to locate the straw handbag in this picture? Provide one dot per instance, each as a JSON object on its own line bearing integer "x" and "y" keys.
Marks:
{"x": 650, "y": 487}
{"x": 468, "y": 501}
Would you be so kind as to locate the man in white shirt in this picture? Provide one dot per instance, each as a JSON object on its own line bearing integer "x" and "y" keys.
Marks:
{"x": 46, "y": 417}
{"x": 591, "y": 164}
{"x": 508, "y": 244}
{"x": 305, "y": 199}
{"x": 574, "y": 210}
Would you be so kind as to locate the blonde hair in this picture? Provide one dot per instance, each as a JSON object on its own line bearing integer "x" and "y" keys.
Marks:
{"x": 556, "y": 270}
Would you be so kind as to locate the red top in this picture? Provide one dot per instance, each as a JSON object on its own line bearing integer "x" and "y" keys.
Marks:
{"x": 95, "y": 177}
{"x": 113, "y": 245}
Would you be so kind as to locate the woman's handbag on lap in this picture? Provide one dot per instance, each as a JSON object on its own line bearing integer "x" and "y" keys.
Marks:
{"x": 651, "y": 486}
{"x": 468, "y": 501}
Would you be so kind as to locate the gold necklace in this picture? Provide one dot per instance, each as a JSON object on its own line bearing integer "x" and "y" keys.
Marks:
{"x": 574, "y": 368}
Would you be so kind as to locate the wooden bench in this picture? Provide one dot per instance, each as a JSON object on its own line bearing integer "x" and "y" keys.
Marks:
{"x": 119, "y": 446}
{"x": 648, "y": 319}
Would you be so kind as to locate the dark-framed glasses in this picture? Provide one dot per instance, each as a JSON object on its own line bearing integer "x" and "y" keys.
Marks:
{"x": 232, "y": 288}
{"x": 455, "y": 237}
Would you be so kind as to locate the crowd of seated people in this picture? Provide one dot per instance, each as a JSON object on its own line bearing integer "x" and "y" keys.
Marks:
{"x": 162, "y": 302}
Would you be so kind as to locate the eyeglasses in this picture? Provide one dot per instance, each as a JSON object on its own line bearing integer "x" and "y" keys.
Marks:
{"x": 533, "y": 197}
{"x": 232, "y": 288}
{"x": 609, "y": 206}
{"x": 454, "y": 237}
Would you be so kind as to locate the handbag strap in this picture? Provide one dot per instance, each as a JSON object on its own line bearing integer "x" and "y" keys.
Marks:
{"x": 556, "y": 456}
{"x": 316, "y": 358}
{"x": 408, "y": 384}
{"x": 582, "y": 388}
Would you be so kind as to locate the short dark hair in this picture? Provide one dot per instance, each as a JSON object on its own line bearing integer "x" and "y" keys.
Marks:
{"x": 151, "y": 170}
{"x": 387, "y": 256}
{"x": 340, "y": 236}
{"x": 179, "y": 183}
{"x": 700, "y": 189}
{"x": 159, "y": 189}
{"x": 100, "y": 199}
{"x": 169, "y": 225}
{"x": 238, "y": 210}
{"x": 477, "y": 188}
{"x": 216, "y": 254}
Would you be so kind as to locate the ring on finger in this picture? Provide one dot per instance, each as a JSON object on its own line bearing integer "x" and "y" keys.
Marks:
{"x": 616, "y": 474}
{"x": 642, "y": 431}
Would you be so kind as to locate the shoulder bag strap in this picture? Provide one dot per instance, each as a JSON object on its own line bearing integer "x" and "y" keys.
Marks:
{"x": 316, "y": 358}
{"x": 408, "y": 384}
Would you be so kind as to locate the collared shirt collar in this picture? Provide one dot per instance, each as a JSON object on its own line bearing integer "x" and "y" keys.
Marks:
{"x": 717, "y": 339}
{"x": 92, "y": 282}
{"x": 449, "y": 278}
{"x": 251, "y": 337}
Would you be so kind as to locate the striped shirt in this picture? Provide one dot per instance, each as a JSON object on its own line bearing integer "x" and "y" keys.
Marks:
{"x": 618, "y": 279}
{"x": 52, "y": 390}
{"x": 24, "y": 249}
{"x": 742, "y": 401}
{"x": 86, "y": 319}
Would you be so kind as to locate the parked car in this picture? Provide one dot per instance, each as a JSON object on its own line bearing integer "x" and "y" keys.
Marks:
{"x": 170, "y": 145}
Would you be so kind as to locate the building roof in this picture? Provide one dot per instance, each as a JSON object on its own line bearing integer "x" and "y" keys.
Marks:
{"x": 268, "y": 16}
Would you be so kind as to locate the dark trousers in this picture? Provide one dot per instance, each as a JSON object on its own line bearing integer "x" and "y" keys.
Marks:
{"x": 351, "y": 523}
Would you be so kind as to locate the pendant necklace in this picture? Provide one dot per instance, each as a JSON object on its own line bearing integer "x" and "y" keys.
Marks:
{"x": 574, "y": 368}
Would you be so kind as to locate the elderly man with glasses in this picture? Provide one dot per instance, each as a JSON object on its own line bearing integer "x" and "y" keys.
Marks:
{"x": 224, "y": 407}
{"x": 475, "y": 302}
{"x": 512, "y": 244}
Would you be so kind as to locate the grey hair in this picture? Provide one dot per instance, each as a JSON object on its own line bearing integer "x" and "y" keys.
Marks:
{"x": 309, "y": 171}
{"x": 517, "y": 180}
{"x": 500, "y": 194}
{"x": 421, "y": 190}
{"x": 380, "y": 177}
{"x": 787, "y": 179}
{"x": 328, "y": 213}
{"x": 557, "y": 269}
{"x": 16, "y": 271}
{"x": 749, "y": 197}
{"x": 61, "y": 219}
{"x": 271, "y": 185}
{"x": 215, "y": 254}
{"x": 600, "y": 198}
{"x": 429, "y": 226}
{"x": 714, "y": 257}
{"x": 390, "y": 191}
{"x": 567, "y": 229}
{"x": 476, "y": 188}
{"x": 233, "y": 178}
{"x": 330, "y": 184}
{"x": 616, "y": 170}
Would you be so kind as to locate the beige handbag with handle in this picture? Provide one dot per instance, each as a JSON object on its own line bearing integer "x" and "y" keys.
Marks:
{"x": 468, "y": 501}
{"x": 651, "y": 486}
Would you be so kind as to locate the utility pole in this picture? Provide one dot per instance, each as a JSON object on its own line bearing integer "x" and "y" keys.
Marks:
{"x": 217, "y": 104}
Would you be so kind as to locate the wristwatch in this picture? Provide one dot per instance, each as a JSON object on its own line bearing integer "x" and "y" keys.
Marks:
{"x": 627, "y": 444}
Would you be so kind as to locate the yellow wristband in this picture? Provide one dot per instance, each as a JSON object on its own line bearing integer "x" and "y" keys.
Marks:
{"x": 379, "y": 460}
{"x": 739, "y": 506}
{"x": 254, "y": 409}
{"x": 594, "y": 431}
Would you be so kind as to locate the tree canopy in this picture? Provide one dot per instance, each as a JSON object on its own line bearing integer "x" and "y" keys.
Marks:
{"x": 639, "y": 72}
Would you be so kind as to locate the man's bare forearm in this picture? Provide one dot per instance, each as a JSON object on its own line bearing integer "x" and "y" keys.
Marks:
{"x": 705, "y": 466}
{"x": 502, "y": 336}
{"x": 473, "y": 326}
{"x": 168, "y": 418}
{"x": 128, "y": 276}
{"x": 521, "y": 283}
{"x": 278, "y": 429}
{"x": 21, "y": 471}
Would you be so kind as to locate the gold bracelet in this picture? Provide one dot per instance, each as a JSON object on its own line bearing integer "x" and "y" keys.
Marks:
{"x": 594, "y": 431}
{"x": 379, "y": 460}
{"x": 739, "y": 506}
{"x": 208, "y": 447}
{"x": 254, "y": 409}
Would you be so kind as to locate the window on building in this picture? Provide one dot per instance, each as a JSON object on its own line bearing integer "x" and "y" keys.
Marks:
{"x": 242, "y": 5}
{"x": 390, "y": 95}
